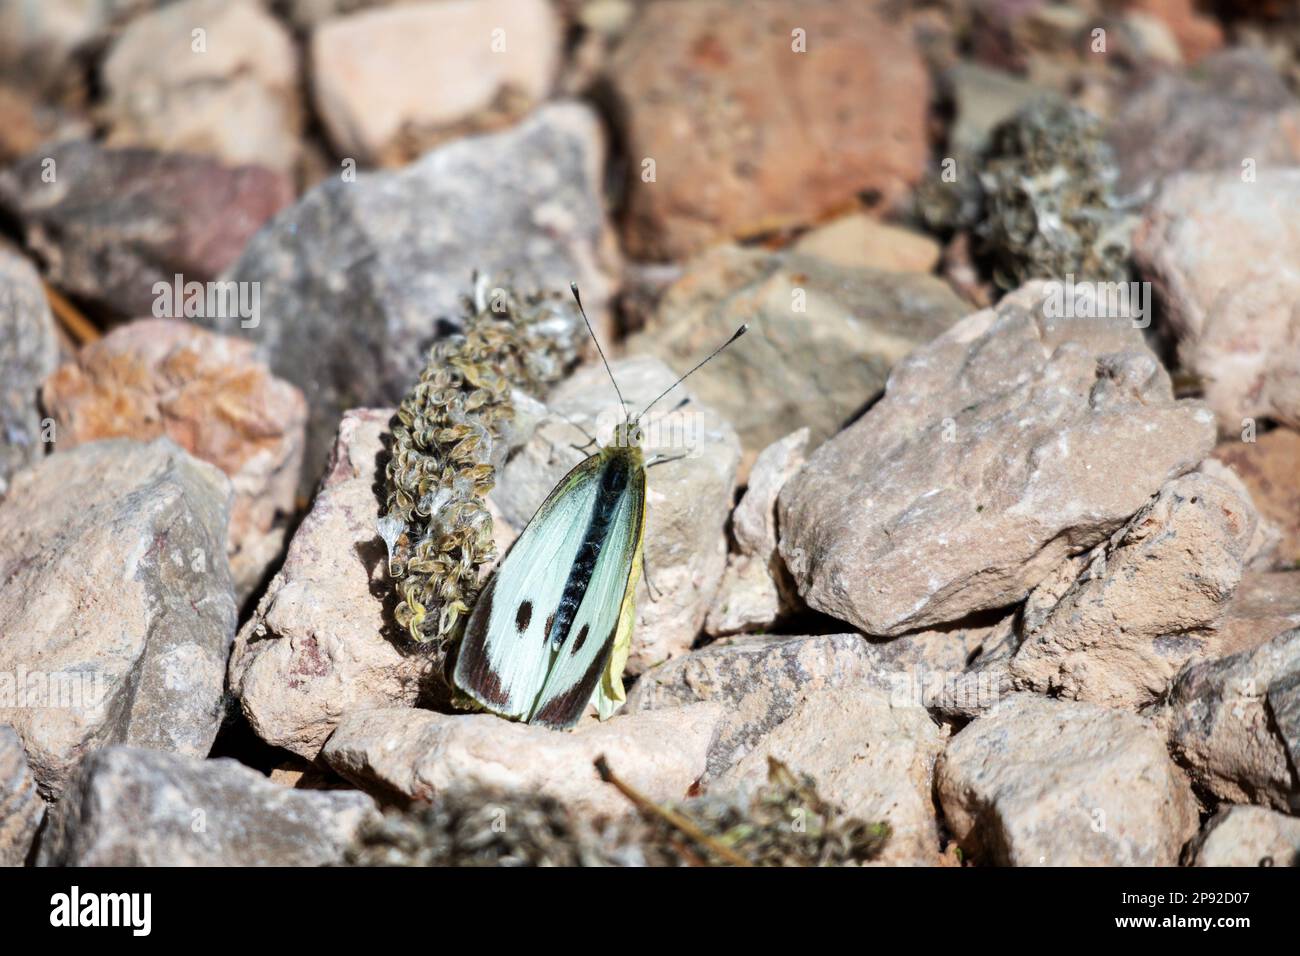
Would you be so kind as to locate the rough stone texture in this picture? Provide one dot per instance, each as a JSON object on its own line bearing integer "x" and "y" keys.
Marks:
{"x": 1222, "y": 256}
{"x": 363, "y": 271}
{"x": 1145, "y": 602}
{"x": 1268, "y": 467}
{"x": 715, "y": 94}
{"x": 133, "y": 807}
{"x": 757, "y": 680}
{"x": 873, "y": 758}
{"x": 1198, "y": 35}
{"x": 1231, "y": 725}
{"x": 1249, "y": 836}
{"x": 687, "y": 501}
{"x": 208, "y": 394}
{"x": 21, "y": 806}
{"x": 756, "y": 588}
{"x": 116, "y": 221}
{"x": 236, "y": 99}
{"x": 860, "y": 241}
{"x": 1265, "y": 605}
{"x": 28, "y": 352}
{"x": 117, "y": 610}
{"x": 322, "y": 641}
{"x": 1008, "y": 443}
{"x": 1261, "y": 552}
{"x": 382, "y": 97}
{"x": 1233, "y": 106}
{"x": 1040, "y": 782}
{"x": 418, "y": 753}
{"x": 822, "y": 337}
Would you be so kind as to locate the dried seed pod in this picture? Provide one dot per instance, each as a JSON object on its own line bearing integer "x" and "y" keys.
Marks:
{"x": 448, "y": 438}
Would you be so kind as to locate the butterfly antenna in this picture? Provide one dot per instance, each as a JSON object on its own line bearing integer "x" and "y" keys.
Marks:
{"x": 622, "y": 403}
{"x": 711, "y": 356}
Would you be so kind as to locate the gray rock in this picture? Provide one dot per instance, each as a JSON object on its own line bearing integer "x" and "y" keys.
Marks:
{"x": 21, "y": 806}
{"x": 1145, "y": 602}
{"x": 687, "y": 501}
{"x": 418, "y": 753}
{"x": 29, "y": 351}
{"x": 822, "y": 337}
{"x": 1040, "y": 782}
{"x": 365, "y": 270}
{"x": 129, "y": 806}
{"x": 1249, "y": 836}
{"x": 1004, "y": 446}
{"x": 1231, "y": 724}
{"x": 113, "y": 222}
{"x": 873, "y": 758}
{"x": 983, "y": 98}
{"x": 118, "y": 608}
{"x": 1233, "y": 106}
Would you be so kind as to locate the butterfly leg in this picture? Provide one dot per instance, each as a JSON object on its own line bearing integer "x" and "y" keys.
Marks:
{"x": 664, "y": 459}
{"x": 650, "y": 589}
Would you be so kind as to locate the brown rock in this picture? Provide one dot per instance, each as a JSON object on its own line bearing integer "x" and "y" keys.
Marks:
{"x": 716, "y": 94}
{"x": 1221, "y": 253}
{"x": 859, "y": 241}
{"x": 116, "y": 222}
{"x": 383, "y": 98}
{"x": 756, "y": 588}
{"x": 1268, "y": 466}
{"x": 229, "y": 91}
{"x": 213, "y": 398}
{"x": 757, "y": 680}
{"x": 1265, "y": 605}
{"x": 873, "y": 758}
{"x": 999, "y": 449}
{"x": 1249, "y": 836}
{"x": 822, "y": 337}
{"x": 117, "y": 611}
{"x": 1145, "y": 602}
{"x": 321, "y": 641}
{"x": 417, "y": 754}
{"x": 1039, "y": 782}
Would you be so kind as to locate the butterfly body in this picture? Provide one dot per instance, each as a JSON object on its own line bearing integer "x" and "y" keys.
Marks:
{"x": 552, "y": 628}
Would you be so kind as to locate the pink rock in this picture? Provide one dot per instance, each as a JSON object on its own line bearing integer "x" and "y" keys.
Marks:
{"x": 210, "y": 395}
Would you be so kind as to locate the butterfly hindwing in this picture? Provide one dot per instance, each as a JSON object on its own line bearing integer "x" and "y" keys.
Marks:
{"x": 543, "y": 629}
{"x": 500, "y": 664}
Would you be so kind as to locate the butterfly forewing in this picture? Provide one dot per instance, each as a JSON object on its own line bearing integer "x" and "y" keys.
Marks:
{"x": 580, "y": 659}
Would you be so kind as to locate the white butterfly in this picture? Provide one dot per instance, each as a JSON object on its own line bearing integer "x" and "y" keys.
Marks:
{"x": 552, "y": 629}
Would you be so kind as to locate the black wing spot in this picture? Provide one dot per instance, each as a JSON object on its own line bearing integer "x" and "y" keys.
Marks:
{"x": 580, "y": 640}
{"x": 550, "y": 622}
{"x": 523, "y": 616}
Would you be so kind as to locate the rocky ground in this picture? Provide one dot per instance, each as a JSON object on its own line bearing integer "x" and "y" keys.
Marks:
{"x": 1010, "y": 583}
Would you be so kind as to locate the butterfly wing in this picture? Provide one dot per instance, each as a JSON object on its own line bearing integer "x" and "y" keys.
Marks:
{"x": 605, "y": 606}
{"x": 504, "y": 657}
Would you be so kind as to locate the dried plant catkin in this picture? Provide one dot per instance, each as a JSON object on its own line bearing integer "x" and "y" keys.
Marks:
{"x": 448, "y": 440}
